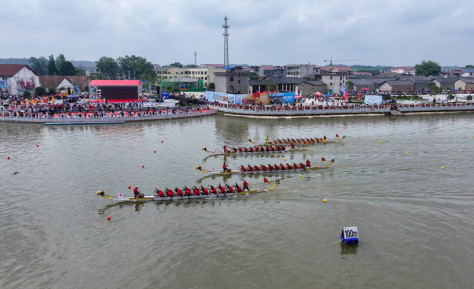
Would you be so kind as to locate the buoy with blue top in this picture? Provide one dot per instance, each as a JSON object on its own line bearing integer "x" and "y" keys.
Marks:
{"x": 350, "y": 235}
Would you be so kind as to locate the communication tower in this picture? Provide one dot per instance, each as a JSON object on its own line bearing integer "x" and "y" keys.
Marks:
{"x": 226, "y": 42}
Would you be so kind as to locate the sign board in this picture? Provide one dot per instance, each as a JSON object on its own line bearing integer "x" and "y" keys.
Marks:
{"x": 350, "y": 235}
{"x": 373, "y": 99}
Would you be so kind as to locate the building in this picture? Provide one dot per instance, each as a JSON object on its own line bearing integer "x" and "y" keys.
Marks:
{"x": 444, "y": 82}
{"x": 397, "y": 85}
{"x": 464, "y": 84}
{"x": 404, "y": 70}
{"x": 117, "y": 90}
{"x": 233, "y": 80}
{"x": 271, "y": 71}
{"x": 468, "y": 72}
{"x": 299, "y": 70}
{"x": 16, "y": 79}
{"x": 299, "y": 86}
{"x": 57, "y": 82}
{"x": 206, "y": 74}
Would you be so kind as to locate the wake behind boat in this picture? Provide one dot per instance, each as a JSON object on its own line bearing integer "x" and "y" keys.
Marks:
{"x": 298, "y": 141}
{"x": 157, "y": 197}
{"x": 257, "y": 150}
{"x": 265, "y": 169}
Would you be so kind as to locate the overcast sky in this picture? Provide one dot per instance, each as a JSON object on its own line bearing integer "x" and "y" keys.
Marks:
{"x": 279, "y": 32}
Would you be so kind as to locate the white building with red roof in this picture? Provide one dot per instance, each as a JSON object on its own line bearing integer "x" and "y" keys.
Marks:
{"x": 16, "y": 79}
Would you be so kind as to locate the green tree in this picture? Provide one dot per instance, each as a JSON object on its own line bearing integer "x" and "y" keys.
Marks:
{"x": 40, "y": 91}
{"x": 67, "y": 68}
{"x": 432, "y": 87}
{"x": 350, "y": 86}
{"x": 52, "y": 66}
{"x": 253, "y": 76}
{"x": 211, "y": 86}
{"x": 79, "y": 71}
{"x": 51, "y": 90}
{"x": 137, "y": 67}
{"x": 428, "y": 68}
{"x": 27, "y": 94}
{"x": 107, "y": 67}
{"x": 176, "y": 64}
{"x": 39, "y": 65}
{"x": 60, "y": 61}
{"x": 271, "y": 87}
{"x": 469, "y": 66}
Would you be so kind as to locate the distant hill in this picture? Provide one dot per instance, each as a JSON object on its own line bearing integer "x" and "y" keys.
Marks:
{"x": 14, "y": 60}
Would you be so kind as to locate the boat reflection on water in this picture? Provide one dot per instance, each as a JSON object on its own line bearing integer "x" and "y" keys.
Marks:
{"x": 137, "y": 204}
{"x": 162, "y": 205}
{"x": 348, "y": 249}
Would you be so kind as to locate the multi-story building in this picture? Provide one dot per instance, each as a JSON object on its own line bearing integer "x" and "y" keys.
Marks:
{"x": 233, "y": 80}
{"x": 206, "y": 74}
{"x": 299, "y": 70}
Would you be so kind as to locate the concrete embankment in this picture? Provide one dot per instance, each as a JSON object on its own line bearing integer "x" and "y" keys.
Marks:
{"x": 363, "y": 111}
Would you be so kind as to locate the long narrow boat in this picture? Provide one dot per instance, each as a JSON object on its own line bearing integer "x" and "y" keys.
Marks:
{"x": 258, "y": 150}
{"x": 155, "y": 198}
{"x": 298, "y": 141}
{"x": 231, "y": 172}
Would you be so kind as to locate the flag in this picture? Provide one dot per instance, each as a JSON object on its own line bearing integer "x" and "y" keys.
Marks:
{"x": 265, "y": 180}
{"x": 337, "y": 135}
{"x": 323, "y": 159}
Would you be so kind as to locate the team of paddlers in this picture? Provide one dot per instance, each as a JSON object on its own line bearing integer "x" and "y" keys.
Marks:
{"x": 197, "y": 191}
{"x": 276, "y": 148}
{"x": 269, "y": 167}
{"x": 295, "y": 140}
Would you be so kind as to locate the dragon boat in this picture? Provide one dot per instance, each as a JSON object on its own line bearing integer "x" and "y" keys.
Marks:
{"x": 274, "y": 149}
{"x": 286, "y": 169}
{"x": 155, "y": 198}
{"x": 298, "y": 141}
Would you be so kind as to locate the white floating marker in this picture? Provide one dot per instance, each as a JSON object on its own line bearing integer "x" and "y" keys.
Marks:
{"x": 350, "y": 235}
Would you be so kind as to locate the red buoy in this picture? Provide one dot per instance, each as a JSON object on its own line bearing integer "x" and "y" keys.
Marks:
{"x": 108, "y": 218}
{"x": 37, "y": 146}
{"x": 161, "y": 141}
{"x": 8, "y": 158}
{"x": 154, "y": 152}
{"x": 143, "y": 166}
{"x": 129, "y": 187}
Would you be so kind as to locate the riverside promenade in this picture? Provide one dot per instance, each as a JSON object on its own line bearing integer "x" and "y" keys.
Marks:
{"x": 108, "y": 118}
{"x": 343, "y": 110}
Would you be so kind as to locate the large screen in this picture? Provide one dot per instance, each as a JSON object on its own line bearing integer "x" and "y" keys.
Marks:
{"x": 119, "y": 92}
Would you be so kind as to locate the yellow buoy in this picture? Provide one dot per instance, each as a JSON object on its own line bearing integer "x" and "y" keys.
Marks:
{"x": 301, "y": 176}
{"x": 324, "y": 200}
{"x": 444, "y": 131}
{"x": 379, "y": 141}
{"x": 360, "y": 133}
{"x": 471, "y": 137}
{"x": 284, "y": 159}
{"x": 405, "y": 152}
{"x": 442, "y": 167}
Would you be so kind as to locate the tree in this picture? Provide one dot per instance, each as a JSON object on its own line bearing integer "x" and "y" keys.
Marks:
{"x": 79, "y": 71}
{"x": 40, "y": 91}
{"x": 211, "y": 86}
{"x": 428, "y": 68}
{"x": 67, "y": 68}
{"x": 350, "y": 85}
{"x": 27, "y": 94}
{"x": 253, "y": 76}
{"x": 137, "y": 67}
{"x": 39, "y": 65}
{"x": 176, "y": 64}
{"x": 469, "y": 66}
{"x": 108, "y": 67}
{"x": 432, "y": 87}
{"x": 60, "y": 61}
{"x": 52, "y": 66}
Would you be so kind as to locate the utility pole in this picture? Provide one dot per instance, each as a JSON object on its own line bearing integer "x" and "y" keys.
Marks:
{"x": 226, "y": 42}
{"x": 195, "y": 61}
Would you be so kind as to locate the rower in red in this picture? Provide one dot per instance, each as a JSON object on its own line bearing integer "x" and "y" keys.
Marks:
{"x": 308, "y": 163}
{"x": 136, "y": 192}
{"x": 246, "y": 186}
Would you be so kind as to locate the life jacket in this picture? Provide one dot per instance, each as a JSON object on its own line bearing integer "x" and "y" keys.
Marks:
{"x": 169, "y": 193}
{"x": 196, "y": 191}
{"x": 161, "y": 194}
{"x": 230, "y": 190}
{"x": 135, "y": 190}
{"x": 213, "y": 190}
{"x": 239, "y": 189}
{"x": 188, "y": 192}
{"x": 308, "y": 164}
{"x": 204, "y": 191}
{"x": 245, "y": 184}
{"x": 179, "y": 192}
{"x": 222, "y": 190}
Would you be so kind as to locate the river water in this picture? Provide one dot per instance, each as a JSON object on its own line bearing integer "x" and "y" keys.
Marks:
{"x": 415, "y": 219}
